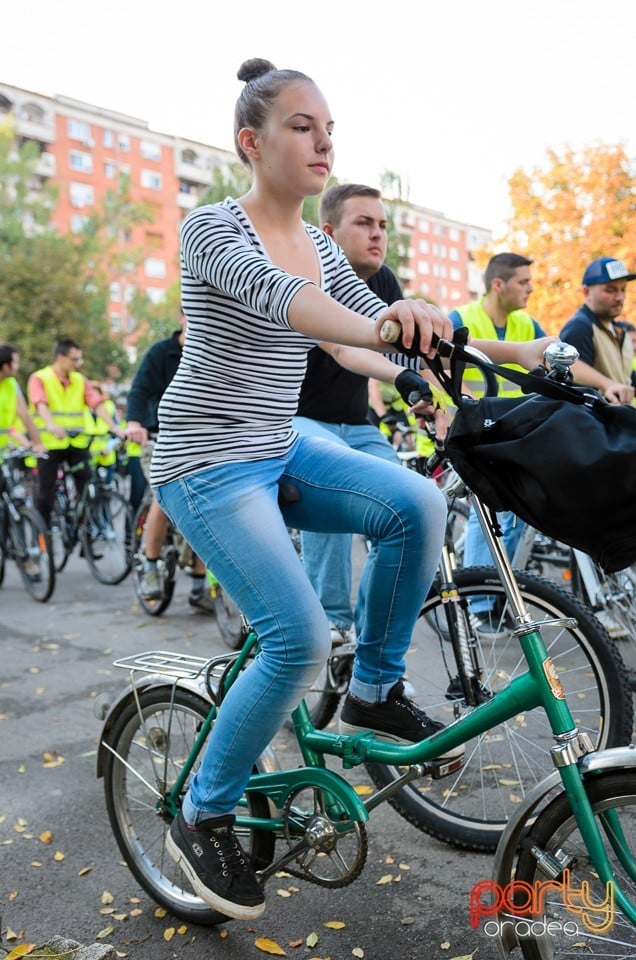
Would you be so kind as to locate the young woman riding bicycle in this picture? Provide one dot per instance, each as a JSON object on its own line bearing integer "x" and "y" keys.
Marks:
{"x": 260, "y": 288}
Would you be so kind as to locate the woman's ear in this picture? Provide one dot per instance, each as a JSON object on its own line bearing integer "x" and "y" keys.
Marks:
{"x": 247, "y": 141}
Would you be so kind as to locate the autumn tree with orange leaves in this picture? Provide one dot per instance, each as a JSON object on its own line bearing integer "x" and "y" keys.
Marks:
{"x": 580, "y": 206}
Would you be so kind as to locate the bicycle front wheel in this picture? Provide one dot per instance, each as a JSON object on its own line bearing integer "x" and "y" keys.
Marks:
{"x": 149, "y": 742}
{"x": 470, "y": 808}
{"x": 166, "y": 567}
{"x": 33, "y": 553}
{"x": 106, "y": 535}
{"x": 556, "y": 931}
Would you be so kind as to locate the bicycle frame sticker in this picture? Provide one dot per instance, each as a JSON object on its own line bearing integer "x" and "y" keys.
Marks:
{"x": 519, "y": 905}
{"x": 552, "y": 677}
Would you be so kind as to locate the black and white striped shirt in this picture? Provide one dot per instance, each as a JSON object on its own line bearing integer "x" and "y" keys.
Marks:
{"x": 237, "y": 386}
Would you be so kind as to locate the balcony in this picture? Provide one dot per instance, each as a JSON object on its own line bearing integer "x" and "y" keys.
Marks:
{"x": 46, "y": 165}
{"x": 187, "y": 201}
{"x": 196, "y": 172}
{"x": 36, "y": 130}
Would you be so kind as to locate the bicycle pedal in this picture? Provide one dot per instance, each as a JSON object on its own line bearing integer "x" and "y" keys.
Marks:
{"x": 443, "y": 767}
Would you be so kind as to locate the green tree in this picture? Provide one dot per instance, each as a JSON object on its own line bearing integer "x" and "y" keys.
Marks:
{"x": 393, "y": 194}
{"x": 48, "y": 285}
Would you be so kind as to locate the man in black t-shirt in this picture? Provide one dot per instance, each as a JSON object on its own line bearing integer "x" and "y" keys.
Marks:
{"x": 334, "y": 402}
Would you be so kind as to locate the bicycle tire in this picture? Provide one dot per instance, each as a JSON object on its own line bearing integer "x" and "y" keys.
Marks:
{"x": 61, "y": 540}
{"x": 615, "y": 607}
{"x": 3, "y": 563}
{"x": 555, "y": 830}
{"x": 167, "y": 567}
{"x": 106, "y": 531}
{"x": 229, "y": 619}
{"x": 32, "y": 546}
{"x": 469, "y": 809}
{"x": 148, "y": 746}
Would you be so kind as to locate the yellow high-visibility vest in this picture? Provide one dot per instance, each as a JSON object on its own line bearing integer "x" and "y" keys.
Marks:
{"x": 519, "y": 328}
{"x": 8, "y": 408}
{"x": 68, "y": 409}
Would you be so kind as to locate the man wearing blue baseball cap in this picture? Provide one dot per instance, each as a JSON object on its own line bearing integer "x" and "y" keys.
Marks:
{"x": 604, "y": 345}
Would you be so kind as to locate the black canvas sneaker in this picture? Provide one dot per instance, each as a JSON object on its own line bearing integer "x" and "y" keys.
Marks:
{"x": 397, "y": 720}
{"x": 216, "y": 865}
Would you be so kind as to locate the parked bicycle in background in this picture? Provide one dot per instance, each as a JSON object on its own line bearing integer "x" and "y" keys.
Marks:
{"x": 98, "y": 518}
{"x": 24, "y": 536}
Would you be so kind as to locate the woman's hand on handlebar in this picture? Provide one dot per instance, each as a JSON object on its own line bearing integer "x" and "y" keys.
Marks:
{"x": 420, "y": 321}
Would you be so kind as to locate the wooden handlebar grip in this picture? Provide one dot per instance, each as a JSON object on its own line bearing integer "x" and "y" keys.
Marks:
{"x": 391, "y": 331}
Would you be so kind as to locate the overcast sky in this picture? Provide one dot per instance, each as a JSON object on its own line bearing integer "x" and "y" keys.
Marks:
{"x": 453, "y": 96}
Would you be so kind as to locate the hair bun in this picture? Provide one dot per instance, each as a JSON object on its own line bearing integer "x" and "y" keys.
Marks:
{"x": 252, "y": 69}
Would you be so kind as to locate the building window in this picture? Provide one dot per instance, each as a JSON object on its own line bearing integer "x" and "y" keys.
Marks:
{"x": 424, "y": 246}
{"x": 453, "y": 234}
{"x": 454, "y": 253}
{"x": 110, "y": 169}
{"x": 108, "y": 138}
{"x": 151, "y": 180}
{"x": 79, "y": 223}
{"x": 455, "y": 274}
{"x": 115, "y": 322}
{"x": 82, "y": 195}
{"x": 115, "y": 292}
{"x": 124, "y": 142}
{"x": 155, "y": 267}
{"x": 424, "y": 225}
{"x": 78, "y": 160}
{"x": 156, "y": 295}
{"x": 150, "y": 150}
{"x": 423, "y": 267}
{"x": 78, "y": 130}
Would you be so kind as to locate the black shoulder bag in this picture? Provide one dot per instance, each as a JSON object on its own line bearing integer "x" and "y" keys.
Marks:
{"x": 562, "y": 458}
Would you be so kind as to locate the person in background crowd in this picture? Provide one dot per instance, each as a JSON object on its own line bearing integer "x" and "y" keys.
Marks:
{"x": 62, "y": 399}
{"x": 334, "y": 401}
{"x": 605, "y": 346}
{"x": 15, "y": 418}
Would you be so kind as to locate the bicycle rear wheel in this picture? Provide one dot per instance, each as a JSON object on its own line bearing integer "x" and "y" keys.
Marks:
{"x": 557, "y": 931}
{"x": 106, "y": 534}
{"x": 614, "y": 605}
{"x": 33, "y": 553}
{"x": 470, "y": 808}
{"x": 149, "y": 745}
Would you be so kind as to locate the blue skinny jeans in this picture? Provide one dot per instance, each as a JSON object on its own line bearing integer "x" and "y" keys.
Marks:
{"x": 327, "y": 556}
{"x": 230, "y": 515}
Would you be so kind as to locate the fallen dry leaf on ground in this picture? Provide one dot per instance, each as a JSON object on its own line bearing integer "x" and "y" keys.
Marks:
{"x": 269, "y": 946}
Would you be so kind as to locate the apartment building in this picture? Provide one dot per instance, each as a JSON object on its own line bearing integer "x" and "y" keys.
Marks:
{"x": 84, "y": 150}
{"x": 440, "y": 256}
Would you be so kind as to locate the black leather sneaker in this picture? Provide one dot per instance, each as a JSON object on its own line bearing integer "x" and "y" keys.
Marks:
{"x": 396, "y": 720}
{"x": 216, "y": 865}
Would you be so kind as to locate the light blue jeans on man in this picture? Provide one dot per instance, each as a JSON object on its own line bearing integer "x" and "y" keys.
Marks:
{"x": 477, "y": 552}
{"x": 230, "y": 515}
{"x": 327, "y": 556}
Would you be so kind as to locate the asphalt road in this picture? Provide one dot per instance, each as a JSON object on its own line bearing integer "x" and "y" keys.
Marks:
{"x": 60, "y": 870}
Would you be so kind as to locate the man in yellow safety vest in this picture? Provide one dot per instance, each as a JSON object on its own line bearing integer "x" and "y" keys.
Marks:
{"x": 61, "y": 400}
